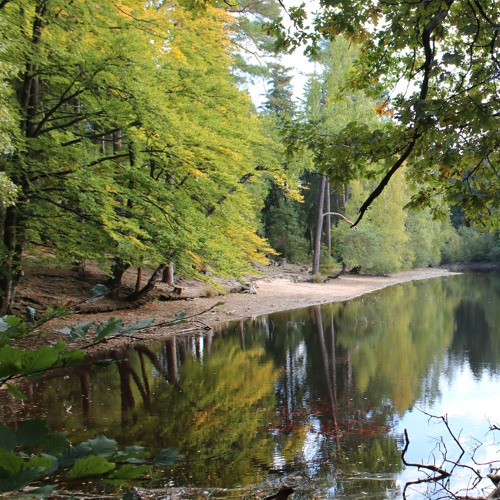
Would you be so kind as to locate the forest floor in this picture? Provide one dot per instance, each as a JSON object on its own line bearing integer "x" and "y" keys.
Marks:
{"x": 205, "y": 304}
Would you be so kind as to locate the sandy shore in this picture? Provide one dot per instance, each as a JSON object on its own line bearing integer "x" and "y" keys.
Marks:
{"x": 279, "y": 294}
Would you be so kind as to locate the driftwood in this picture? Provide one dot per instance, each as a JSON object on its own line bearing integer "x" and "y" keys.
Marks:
{"x": 437, "y": 473}
{"x": 335, "y": 276}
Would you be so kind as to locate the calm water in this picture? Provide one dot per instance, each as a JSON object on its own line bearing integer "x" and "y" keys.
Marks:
{"x": 318, "y": 398}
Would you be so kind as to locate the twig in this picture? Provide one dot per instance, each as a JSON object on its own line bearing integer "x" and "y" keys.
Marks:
{"x": 442, "y": 473}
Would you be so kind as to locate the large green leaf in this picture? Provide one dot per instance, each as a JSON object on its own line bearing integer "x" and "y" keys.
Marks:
{"x": 32, "y": 432}
{"x": 91, "y": 466}
{"x": 130, "y": 471}
{"x": 110, "y": 327}
{"x": 56, "y": 443}
{"x": 70, "y": 357}
{"x": 8, "y": 439}
{"x": 39, "y": 360}
{"x": 74, "y": 453}
{"x": 103, "y": 446}
{"x": 10, "y": 361}
{"x": 19, "y": 480}
{"x": 11, "y": 462}
{"x": 47, "y": 463}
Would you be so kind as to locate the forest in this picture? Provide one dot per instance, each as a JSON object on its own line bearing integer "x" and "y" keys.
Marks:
{"x": 128, "y": 137}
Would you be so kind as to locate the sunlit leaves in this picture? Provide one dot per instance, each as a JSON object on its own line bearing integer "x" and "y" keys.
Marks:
{"x": 146, "y": 146}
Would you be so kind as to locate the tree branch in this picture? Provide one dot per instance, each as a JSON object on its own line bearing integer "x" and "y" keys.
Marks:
{"x": 339, "y": 215}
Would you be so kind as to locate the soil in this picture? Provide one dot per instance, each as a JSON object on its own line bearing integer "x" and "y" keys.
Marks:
{"x": 207, "y": 302}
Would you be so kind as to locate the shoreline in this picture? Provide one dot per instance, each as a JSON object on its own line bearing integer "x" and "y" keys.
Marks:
{"x": 277, "y": 290}
{"x": 276, "y": 294}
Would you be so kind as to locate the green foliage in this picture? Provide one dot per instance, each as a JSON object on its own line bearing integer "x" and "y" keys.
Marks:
{"x": 33, "y": 454}
{"x": 8, "y": 191}
{"x": 141, "y": 147}
{"x": 428, "y": 239}
{"x": 468, "y": 245}
{"x": 379, "y": 245}
{"x": 443, "y": 55}
{"x": 285, "y": 233}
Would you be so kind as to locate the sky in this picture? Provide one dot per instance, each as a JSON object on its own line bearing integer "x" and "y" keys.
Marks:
{"x": 300, "y": 65}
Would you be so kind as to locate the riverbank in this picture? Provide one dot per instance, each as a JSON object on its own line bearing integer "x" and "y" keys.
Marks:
{"x": 274, "y": 293}
{"x": 281, "y": 293}
{"x": 277, "y": 289}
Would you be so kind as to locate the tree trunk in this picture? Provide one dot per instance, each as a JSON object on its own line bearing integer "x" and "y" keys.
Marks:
{"x": 328, "y": 221}
{"x": 10, "y": 269}
{"x": 319, "y": 227}
{"x": 149, "y": 285}
{"x": 138, "y": 279}
{"x": 12, "y": 225}
{"x": 168, "y": 274}
{"x": 115, "y": 282}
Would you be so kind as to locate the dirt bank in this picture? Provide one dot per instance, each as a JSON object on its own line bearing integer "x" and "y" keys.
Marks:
{"x": 277, "y": 289}
{"x": 282, "y": 293}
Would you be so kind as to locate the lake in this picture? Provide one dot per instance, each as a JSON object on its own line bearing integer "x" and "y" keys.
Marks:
{"x": 317, "y": 398}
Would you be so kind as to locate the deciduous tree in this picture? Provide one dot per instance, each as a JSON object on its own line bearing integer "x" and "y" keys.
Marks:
{"x": 440, "y": 61}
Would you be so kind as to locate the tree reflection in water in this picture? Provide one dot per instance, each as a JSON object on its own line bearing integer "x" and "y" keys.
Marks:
{"x": 315, "y": 394}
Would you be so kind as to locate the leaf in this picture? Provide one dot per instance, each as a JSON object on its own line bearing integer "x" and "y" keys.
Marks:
{"x": 18, "y": 480}
{"x": 167, "y": 457}
{"x": 10, "y": 322}
{"x": 99, "y": 289}
{"x": 103, "y": 446}
{"x": 16, "y": 392}
{"x": 30, "y": 314}
{"x": 11, "y": 462}
{"x": 110, "y": 327}
{"x": 8, "y": 439}
{"x": 10, "y": 360}
{"x": 56, "y": 443}
{"x": 74, "y": 453}
{"x": 130, "y": 471}
{"x": 41, "y": 359}
{"x": 91, "y": 466}
{"x": 140, "y": 325}
{"x": 70, "y": 357}
{"x": 42, "y": 492}
{"x": 132, "y": 454}
{"x": 47, "y": 463}
{"x": 32, "y": 432}
{"x": 78, "y": 331}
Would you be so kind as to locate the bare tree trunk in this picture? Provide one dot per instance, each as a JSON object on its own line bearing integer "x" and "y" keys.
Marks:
{"x": 10, "y": 269}
{"x": 149, "y": 285}
{"x": 118, "y": 270}
{"x": 138, "y": 279}
{"x": 328, "y": 221}
{"x": 168, "y": 274}
{"x": 319, "y": 227}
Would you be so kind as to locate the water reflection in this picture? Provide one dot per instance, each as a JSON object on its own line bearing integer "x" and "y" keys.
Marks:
{"x": 317, "y": 396}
